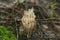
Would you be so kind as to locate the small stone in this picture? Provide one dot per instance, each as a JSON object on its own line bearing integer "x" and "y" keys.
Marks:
{"x": 45, "y": 26}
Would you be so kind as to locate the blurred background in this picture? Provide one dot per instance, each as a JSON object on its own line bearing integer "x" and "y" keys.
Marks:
{"x": 31, "y": 19}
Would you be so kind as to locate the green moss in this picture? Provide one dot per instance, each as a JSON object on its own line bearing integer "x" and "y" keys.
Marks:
{"x": 51, "y": 13}
{"x": 6, "y": 33}
{"x": 52, "y": 5}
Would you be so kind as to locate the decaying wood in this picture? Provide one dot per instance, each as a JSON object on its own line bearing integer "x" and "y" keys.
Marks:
{"x": 7, "y": 3}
